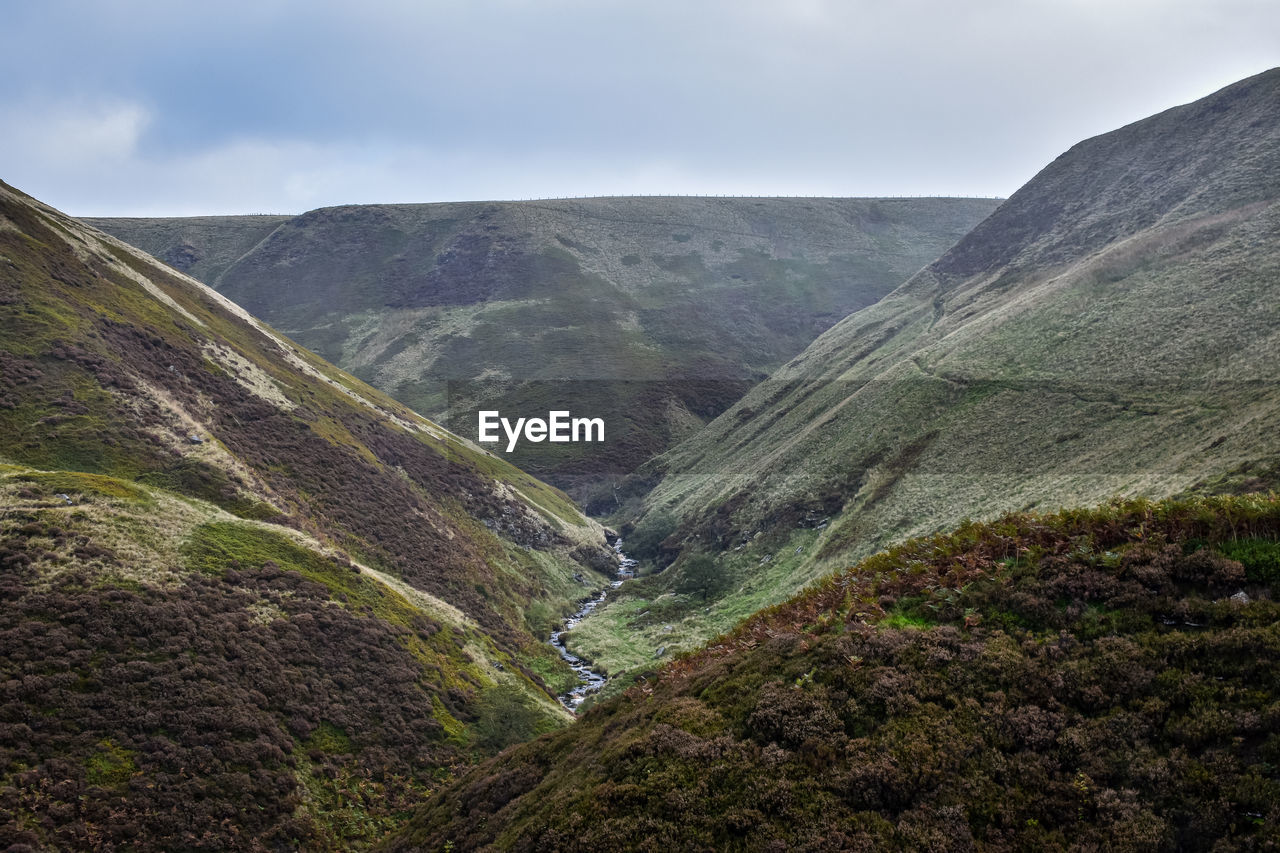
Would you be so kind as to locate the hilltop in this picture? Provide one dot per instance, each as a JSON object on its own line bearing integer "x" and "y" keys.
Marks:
{"x": 249, "y": 601}
{"x": 654, "y": 314}
{"x": 1110, "y": 330}
{"x": 200, "y": 246}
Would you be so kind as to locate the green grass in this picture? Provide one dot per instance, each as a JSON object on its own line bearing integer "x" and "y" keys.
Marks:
{"x": 898, "y": 619}
{"x": 1260, "y": 557}
{"x": 328, "y": 738}
{"x": 111, "y": 766}
{"x": 206, "y": 482}
{"x": 74, "y": 483}
{"x": 214, "y": 546}
{"x": 649, "y": 614}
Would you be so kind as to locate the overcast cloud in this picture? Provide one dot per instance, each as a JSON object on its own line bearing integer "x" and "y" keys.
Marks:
{"x": 158, "y": 107}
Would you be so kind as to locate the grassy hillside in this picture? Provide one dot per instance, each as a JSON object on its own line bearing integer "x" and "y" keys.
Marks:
{"x": 249, "y": 601}
{"x": 1094, "y": 679}
{"x": 200, "y": 246}
{"x": 652, "y": 313}
{"x": 177, "y": 677}
{"x": 1112, "y": 329}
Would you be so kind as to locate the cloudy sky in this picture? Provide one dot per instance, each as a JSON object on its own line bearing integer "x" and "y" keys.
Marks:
{"x": 162, "y": 107}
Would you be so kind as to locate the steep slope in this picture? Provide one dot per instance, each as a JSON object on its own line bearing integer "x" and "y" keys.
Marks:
{"x": 1112, "y": 329}
{"x": 249, "y": 601}
{"x": 1097, "y": 679}
{"x": 200, "y": 246}
{"x": 652, "y": 313}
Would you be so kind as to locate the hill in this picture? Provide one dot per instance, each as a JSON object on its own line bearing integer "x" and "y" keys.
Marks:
{"x": 249, "y": 602}
{"x": 1095, "y": 679}
{"x": 654, "y": 314}
{"x": 1112, "y": 329}
{"x": 200, "y": 246}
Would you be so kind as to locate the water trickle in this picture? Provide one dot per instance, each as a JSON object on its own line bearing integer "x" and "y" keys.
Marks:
{"x": 591, "y": 680}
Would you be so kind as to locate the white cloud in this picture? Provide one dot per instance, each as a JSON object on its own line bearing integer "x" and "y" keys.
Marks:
{"x": 135, "y": 106}
{"x": 78, "y": 135}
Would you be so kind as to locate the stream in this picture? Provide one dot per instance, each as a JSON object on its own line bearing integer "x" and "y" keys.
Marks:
{"x": 591, "y": 680}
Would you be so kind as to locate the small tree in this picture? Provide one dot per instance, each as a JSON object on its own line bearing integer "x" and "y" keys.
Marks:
{"x": 507, "y": 716}
{"x": 645, "y": 542}
{"x": 699, "y": 575}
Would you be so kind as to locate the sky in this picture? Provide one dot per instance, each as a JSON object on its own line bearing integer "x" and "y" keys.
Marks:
{"x": 175, "y": 108}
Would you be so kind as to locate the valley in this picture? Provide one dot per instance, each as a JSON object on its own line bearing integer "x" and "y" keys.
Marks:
{"x": 915, "y": 523}
{"x": 939, "y": 695}
{"x": 591, "y": 681}
{"x": 237, "y": 572}
{"x": 652, "y": 314}
{"x": 1110, "y": 330}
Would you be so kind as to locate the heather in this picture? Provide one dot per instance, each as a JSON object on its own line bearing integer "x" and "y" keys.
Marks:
{"x": 1095, "y": 678}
